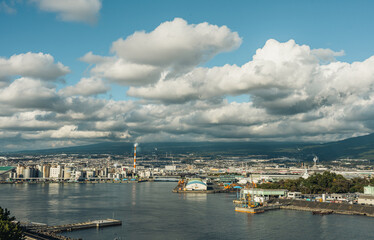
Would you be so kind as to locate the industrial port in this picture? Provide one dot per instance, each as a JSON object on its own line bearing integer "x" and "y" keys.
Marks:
{"x": 243, "y": 177}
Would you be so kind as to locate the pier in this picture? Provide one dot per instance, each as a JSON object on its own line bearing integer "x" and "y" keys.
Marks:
{"x": 38, "y": 231}
{"x": 84, "y": 225}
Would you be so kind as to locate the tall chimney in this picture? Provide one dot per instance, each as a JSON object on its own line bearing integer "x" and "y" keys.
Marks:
{"x": 135, "y": 145}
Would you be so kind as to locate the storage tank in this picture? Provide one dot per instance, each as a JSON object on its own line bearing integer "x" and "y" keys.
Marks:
{"x": 46, "y": 169}
{"x": 27, "y": 173}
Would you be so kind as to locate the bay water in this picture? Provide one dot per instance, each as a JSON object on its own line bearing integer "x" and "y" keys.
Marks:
{"x": 150, "y": 210}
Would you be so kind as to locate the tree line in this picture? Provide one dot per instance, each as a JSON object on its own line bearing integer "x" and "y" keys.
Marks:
{"x": 327, "y": 182}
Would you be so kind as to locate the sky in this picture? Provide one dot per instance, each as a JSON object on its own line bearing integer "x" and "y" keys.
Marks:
{"x": 77, "y": 72}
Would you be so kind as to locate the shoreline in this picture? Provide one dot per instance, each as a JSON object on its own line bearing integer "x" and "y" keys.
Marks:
{"x": 338, "y": 208}
{"x": 79, "y": 182}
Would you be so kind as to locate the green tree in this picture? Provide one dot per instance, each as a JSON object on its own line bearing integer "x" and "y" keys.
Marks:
{"x": 9, "y": 230}
{"x": 321, "y": 183}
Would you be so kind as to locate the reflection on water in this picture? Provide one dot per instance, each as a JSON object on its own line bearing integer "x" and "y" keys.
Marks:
{"x": 249, "y": 218}
{"x": 133, "y": 194}
{"x": 152, "y": 211}
{"x": 53, "y": 188}
{"x": 195, "y": 196}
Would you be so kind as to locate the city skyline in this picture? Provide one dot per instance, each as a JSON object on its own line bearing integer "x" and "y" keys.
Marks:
{"x": 81, "y": 72}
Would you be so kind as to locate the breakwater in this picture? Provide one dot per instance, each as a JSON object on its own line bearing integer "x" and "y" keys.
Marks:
{"x": 340, "y": 208}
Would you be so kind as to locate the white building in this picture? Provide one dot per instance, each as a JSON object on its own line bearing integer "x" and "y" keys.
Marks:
{"x": 366, "y": 199}
{"x": 144, "y": 174}
{"x": 170, "y": 167}
{"x": 294, "y": 195}
{"x": 56, "y": 172}
{"x": 369, "y": 190}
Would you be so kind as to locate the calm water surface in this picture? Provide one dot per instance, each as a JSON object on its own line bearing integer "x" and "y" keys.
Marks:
{"x": 152, "y": 211}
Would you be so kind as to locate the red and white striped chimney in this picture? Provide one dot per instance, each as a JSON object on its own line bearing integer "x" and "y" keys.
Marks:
{"x": 135, "y": 145}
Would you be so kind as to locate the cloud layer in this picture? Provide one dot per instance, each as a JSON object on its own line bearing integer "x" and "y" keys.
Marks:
{"x": 296, "y": 93}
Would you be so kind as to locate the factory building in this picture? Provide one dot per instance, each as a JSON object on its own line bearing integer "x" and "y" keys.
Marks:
{"x": 369, "y": 190}
{"x": 263, "y": 194}
{"x": 196, "y": 184}
{"x": 6, "y": 172}
{"x": 367, "y": 197}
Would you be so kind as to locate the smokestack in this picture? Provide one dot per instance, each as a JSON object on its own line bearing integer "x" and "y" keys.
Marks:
{"x": 135, "y": 145}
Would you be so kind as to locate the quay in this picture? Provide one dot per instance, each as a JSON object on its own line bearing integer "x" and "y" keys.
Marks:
{"x": 259, "y": 209}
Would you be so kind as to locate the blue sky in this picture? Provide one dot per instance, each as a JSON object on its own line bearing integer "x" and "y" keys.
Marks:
{"x": 339, "y": 25}
{"x": 37, "y": 26}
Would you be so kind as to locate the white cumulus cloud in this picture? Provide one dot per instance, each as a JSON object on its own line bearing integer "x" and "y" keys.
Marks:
{"x": 30, "y": 93}
{"x": 34, "y": 65}
{"x": 177, "y": 43}
{"x": 86, "y": 87}
{"x": 72, "y": 10}
{"x": 174, "y": 47}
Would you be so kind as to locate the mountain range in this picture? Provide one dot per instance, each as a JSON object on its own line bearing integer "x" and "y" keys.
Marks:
{"x": 357, "y": 148}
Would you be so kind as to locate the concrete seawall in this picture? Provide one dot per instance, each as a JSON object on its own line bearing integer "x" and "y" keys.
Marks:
{"x": 340, "y": 208}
